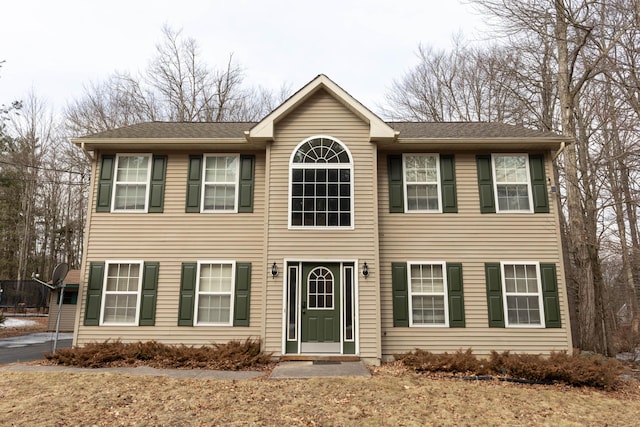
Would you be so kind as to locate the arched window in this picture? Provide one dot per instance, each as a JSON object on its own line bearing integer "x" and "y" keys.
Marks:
{"x": 321, "y": 184}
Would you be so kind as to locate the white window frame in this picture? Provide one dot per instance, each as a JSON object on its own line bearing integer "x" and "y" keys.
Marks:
{"x": 230, "y": 293}
{"x": 236, "y": 183}
{"x": 138, "y": 293}
{"x": 149, "y": 156}
{"x": 445, "y": 294}
{"x": 338, "y": 166}
{"x": 495, "y": 182}
{"x": 405, "y": 183}
{"x": 538, "y": 294}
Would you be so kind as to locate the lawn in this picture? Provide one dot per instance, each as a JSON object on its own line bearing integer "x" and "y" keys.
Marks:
{"x": 391, "y": 397}
{"x": 26, "y": 325}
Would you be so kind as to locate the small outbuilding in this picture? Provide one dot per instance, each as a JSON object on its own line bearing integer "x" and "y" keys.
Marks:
{"x": 68, "y": 304}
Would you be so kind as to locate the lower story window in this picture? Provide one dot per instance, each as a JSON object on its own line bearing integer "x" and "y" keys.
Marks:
{"x": 427, "y": 294}
{"x": 522, "y": 294}
{"x": 215, "y": 292}
{"x": 122, "y": 292}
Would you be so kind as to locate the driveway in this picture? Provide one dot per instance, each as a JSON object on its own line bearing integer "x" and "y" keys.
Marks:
{"x": 31, "y": 347}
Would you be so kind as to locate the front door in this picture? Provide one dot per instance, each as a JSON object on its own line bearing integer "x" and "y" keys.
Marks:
{"x": 320, "y": 308}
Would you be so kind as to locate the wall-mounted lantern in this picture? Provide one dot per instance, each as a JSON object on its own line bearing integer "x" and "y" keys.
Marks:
{"x": 274, "y": 270}
{"x": 365, "y": 270}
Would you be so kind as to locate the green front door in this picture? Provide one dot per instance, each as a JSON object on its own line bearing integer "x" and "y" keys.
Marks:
{"x": 320, "y": 314}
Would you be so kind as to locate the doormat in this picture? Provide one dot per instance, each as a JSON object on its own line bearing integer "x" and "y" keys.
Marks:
{"x": 327, "y": 362}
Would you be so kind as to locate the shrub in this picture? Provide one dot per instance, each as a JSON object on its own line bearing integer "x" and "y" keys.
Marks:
{"x": 234, "y": 355}
{"x": 576, "y": 369}
{"x": 626, "y": 340}
{"x": 2, "y": 318}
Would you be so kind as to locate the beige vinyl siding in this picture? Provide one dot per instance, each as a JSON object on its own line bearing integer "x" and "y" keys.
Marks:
{"x": 67, "y": 317}
{"x": 323, "y": 115}
{"x": 471, "y": 238}
{"x": 173, "y": 237}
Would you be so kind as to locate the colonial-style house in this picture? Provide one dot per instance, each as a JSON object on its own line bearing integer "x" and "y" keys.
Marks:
{"x": 323, "y": 230}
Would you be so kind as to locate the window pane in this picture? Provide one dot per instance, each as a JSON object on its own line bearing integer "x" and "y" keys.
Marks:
{"x": 216, "y": 278}
{"x": 120, "y": 308}
{"x": 428, "y": 310}
{"x": 214, "y": 308}
{"x": 219, "y": 197}
{"x": 523, "y": 310}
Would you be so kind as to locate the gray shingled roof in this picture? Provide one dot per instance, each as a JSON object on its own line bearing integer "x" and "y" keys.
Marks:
{"x": 173, "y": 130}
{"x": 465, "y": 130}
{"x": 443, "y": 130}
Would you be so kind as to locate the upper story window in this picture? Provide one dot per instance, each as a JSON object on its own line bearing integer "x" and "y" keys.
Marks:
{"x": 321, "y": 184}
{"x": 220, "y": 182}
{"x": 131, "y": 183}
{"x": 422, "y": 182}
{"x": 131, "y": 191}
{"x": 512, "y": 183}
{"x": 511, "y": 180}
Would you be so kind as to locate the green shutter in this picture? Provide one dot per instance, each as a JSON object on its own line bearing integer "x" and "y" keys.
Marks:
{"x": 456, "y": 295}
{"x": 194, "y": 183}
{"x": 550, "y": 296}
{"x": 156, "y": 190}
{"x": 247, "y": 171}
{"x": 187, "y": 293}
{"x": 448, "y": 183}
{"x": 105, "y": 183}
{"x": 400, "y": 294}
{"x": 396, "y": 187}
{"x": 494, "y": 294}
{"x": 94, "y": 294}
{"x": 149, "y": 289}
{"x": 242, "y": 294}
{"x": 485, "y": 184}
{"x": 538, "y": 183}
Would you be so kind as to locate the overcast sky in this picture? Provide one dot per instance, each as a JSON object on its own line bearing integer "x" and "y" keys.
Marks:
{"x": 55, "y": 47}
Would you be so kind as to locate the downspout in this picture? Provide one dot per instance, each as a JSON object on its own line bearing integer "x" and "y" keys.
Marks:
{"x": 560, "y": 150}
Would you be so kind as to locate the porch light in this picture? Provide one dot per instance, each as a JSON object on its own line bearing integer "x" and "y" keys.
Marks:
{"x": 274, "y": 270}
{"x": 365, "y": 270}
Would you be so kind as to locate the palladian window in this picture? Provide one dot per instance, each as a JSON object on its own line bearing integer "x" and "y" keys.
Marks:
{"x": 321, "y": 185}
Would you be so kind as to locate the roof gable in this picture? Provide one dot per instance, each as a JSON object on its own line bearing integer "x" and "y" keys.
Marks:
{"x": 378, "y": 129}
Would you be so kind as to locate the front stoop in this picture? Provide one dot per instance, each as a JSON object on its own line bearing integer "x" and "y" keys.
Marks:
{"x": 329, "y": 367}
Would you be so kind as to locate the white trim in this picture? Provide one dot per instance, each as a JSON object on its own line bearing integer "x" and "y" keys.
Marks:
{"x": 445, "y": 294}
{"x": 204, "y": 183}
{"x": 138, "y": 293}
{"x": 147, "y": 183}
{"x": 356, "y": 310}
{"x": 231, "y": 293}
{"x": 539, "y": 295}
{"x": 336, "y": 166}
{"x": 495, "y": 183}
{"x": 438, "y": 183}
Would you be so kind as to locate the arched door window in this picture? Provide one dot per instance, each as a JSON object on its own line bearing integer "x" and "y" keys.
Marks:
{"x": 321, "y": 184}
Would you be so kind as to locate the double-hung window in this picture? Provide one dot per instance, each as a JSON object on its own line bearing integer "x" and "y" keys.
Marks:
{"x": 428, "y": 294}
{"x": 321, "y": 185}
{"x": 131, "y": 184}
{"x": 422, "y": 182}
{"x": 522, "y": 294}
{"x": 214, "y": 294}
{"x": 220, "y": 183}
{"x": 512, "y": 182}
{"x": 121, "y": 295}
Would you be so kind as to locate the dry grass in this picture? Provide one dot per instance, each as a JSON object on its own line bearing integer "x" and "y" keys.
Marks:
{"x": 392, "y": 397}
{"x": 40, "y": 326}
